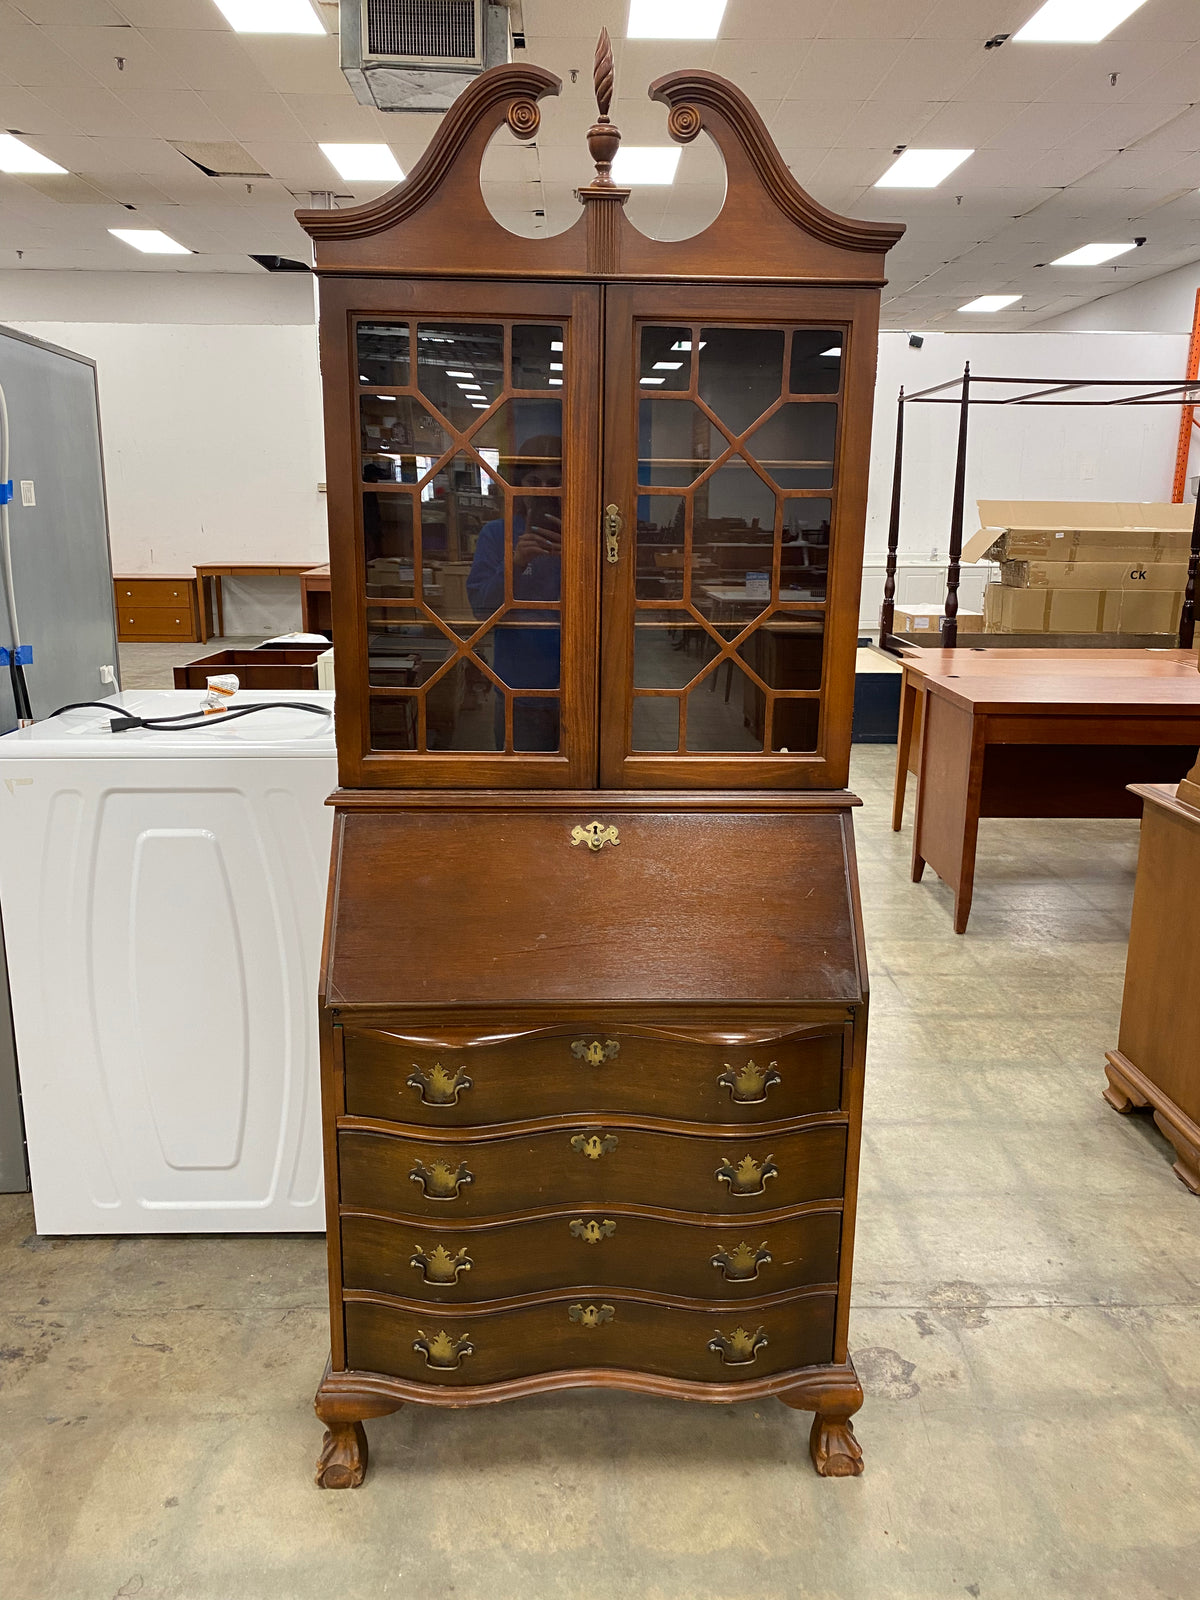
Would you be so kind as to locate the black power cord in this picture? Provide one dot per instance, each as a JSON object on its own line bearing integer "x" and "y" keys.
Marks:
{"x": 186, "y": 721}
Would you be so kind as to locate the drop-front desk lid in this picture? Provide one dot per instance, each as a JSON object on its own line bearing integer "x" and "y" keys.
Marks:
{"x": 466, "y": 900}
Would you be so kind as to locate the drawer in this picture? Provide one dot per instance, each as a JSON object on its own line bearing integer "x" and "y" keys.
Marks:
{"x": 419, "y": 1260}
{"x": 177, "y": 593}
{"x": 565, "y": 1071}
{"x": 444, "y": 1346}
{"x": 738, "y": 1173}
{"x": 155, "y": 622}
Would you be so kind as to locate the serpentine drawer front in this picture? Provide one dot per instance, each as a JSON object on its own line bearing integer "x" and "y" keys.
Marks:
{"x": 738, "y": 1173}
{"x": 714, "y": 1344}
{"x": 450, "y": 1265}
{"x": 648, "y": 1072}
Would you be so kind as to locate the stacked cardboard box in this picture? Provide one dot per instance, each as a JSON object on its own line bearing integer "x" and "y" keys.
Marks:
{"x": 928, "y": 619}
{"x": 1083, "y": 566}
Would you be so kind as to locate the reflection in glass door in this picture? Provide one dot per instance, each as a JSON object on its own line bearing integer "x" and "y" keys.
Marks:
{"x": 736, "y": 446}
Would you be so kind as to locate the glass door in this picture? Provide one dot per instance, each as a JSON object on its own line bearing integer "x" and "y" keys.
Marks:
{"x": 470, "y": 536}
{"x": 723, "y": 435}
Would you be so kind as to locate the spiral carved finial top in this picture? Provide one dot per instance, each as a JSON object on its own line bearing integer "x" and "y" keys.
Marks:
{"x": 602, "y": 75}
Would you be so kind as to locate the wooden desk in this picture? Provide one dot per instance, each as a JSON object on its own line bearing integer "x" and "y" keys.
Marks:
{"x": 316, "y": 606}
{"x": 1045, "y": 744}
{"x": 214, "y": 603}
{"x": 921, "y": 665}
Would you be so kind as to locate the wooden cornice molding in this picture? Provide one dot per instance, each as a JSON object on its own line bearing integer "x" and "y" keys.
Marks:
{"x": 502, "y": 94}
{"x": 690, "y": 95}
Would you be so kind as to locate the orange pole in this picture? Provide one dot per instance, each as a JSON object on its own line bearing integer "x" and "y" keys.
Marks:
{"x": 1188, "y": 420}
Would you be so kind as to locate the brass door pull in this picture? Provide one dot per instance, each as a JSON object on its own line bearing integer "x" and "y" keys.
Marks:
{"x": 595, "y": 1051}
{"x": 594, "y": 1145}
{"x": 748, "y": 1085}
{"x": 438, "y": 1265}
{"x": 739, "y": 1348}
{"x": 590, "y": 1316}
{"x": 441, "y": 1350}
{"x": 612, "y": 534}
{"x": 749, "y": 1176}
{"x": 591, "y": 1232}
{"x": 595, "y": 835}
{"x": 438, "y": 1087}
{"x": 741, "y": 1264}
{"x": 439, "y": 1181}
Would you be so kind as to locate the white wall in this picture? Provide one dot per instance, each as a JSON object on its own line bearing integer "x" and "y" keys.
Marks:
{"x": 1158, "y": 305}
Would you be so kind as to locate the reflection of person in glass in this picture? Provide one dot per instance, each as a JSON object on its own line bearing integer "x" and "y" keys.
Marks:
{"x": 527, "y": 656}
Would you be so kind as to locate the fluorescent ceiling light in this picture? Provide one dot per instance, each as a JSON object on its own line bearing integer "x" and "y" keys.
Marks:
{"x": 991, "y": 302}
{"x": 654, "y": 380}
{"x": 556, "y": 344}
{"x": 151, "y": 241}
{"x": 452, "y": 372}
{"x": 674, "y": 19}
{"x": 686, "y": 344}
{"x": 270, "y": 16}
{"x": 834, "y": 350}
{"x": 556, "y": 366}
{"x": 364, "y": 161}
{"x": 1075, "y": 21}
{"x": 556, "y": 383}
{"x": 390, "y": 397}
{"x": 922, "y": 169}
{"x": 646, "y": 163}
{"x": 15, "y": 156}
{"x": 1091, "y": 255}
{"x": 479, "y": 405}
{"x": 667, "y": 366}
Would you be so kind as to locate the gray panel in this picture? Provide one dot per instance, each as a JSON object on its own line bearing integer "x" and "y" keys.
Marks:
{"x": 14, "y": 1175}
{"x": 61, "y": 565}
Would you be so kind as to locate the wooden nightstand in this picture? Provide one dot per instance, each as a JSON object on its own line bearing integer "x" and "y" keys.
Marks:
{"x": 154, "y": 608}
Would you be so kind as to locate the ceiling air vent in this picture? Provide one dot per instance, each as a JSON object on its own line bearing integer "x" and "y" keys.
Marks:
{"x": 419, "y": 55}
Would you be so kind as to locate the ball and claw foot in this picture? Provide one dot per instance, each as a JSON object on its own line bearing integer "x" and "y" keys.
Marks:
{"x": 835, "y": 1451}
{"x": 343, "y": 1459}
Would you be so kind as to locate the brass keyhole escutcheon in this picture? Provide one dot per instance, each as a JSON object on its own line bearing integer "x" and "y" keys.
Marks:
{"x": 595, "y": 1051}
{"x": 595, "y": 835}
{"x": 612, "y": 534}
{"x": 590, "y": 1316}
{"x": 591, "y": 1232}
{"x": 594, "y": 1145}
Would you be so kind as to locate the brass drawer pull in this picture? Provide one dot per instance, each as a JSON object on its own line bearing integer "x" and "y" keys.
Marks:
{"x": 592, "y": 1232}
{"x": 595, "y": 835}
{"x": 594, "y": 1145}
{"x": 741, "y": 1264}
{"x": 438, "y": 1265}
{"x": 439, "y": 1181}
{"x": 437, "y": 1087}
{"x": 748, "y": 1085}
{"x": 591, "y": 1316}
{"x": 595, "y": 1051}
{"x": 739, "y": 1348}
{"x": 749, "y": 1176}
{"x": 442, "y": 1350}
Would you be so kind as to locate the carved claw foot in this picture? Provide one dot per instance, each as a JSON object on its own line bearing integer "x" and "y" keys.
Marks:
{"x": 835, "y": 1451}
{"x": 343, "y": 1460}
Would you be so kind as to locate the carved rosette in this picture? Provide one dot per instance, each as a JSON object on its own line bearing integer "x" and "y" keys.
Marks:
{"x": 684, "y": 123}
{"x": 523, "y": 117}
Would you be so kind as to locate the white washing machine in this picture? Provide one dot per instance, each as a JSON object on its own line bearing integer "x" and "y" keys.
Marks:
{"x": 163, "y": 901}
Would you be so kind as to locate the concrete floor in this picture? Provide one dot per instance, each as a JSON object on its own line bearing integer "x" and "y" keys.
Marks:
{"x": 1026, "y": 1324}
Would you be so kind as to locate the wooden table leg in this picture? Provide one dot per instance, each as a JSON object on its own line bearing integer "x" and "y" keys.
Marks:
{"x": 220, "y": 605}
{"x": 908, "y": 699}
{"x": 950, "y": 787}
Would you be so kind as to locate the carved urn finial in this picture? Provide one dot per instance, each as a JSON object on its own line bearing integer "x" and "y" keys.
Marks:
{"x": 603, "y": 139}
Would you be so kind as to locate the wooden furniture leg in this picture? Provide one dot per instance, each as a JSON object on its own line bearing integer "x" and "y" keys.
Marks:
{"x": 1130, "y": 1090}
{"x": 220, "y": 596}
{"x": 908, "y": 700}
{"x": 949, "y": 791}
{"x": 342, "y": 1405}
{"x": 834, "y": 1395}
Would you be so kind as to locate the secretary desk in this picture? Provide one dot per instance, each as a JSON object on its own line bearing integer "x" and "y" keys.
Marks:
{"x": 594, "y": 994}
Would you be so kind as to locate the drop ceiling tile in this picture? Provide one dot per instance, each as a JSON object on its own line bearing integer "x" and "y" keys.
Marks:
{"x": 1174, "y": 20}
{"x": 510, "y": 162}
{"x": 207, "y": 61}
{"x": 756, "y": 20}
{"x": 852, "y": 167}
{"x": 1023, "y": 72}
{"x": 1118, "y": 126}
{"x": 263, "y": 115}
{"x": 929, "y": 69}
{"x": 763, "y": 74}
{"x": 298, "y": 63}
{"x": 22, "y": 109}
{"x": 96, "y": 111}
{"x": 1041, "y": 125}
{"x": 82, "y": 13}
{"x": 199, "y": 14}
{"x": 176, "y": 114}
{"x": 338, "y": 119}
{"x": 817, "y": 123}
{"x": 971, "y": 124}
{"x": 644, "y": 60}
{"x": 883, "y": 124}
{"x": 30, "y": 59}
{"x": 973, "y": 19}
{"x": 98, "y": 49}
{"x": 843, "y": 66}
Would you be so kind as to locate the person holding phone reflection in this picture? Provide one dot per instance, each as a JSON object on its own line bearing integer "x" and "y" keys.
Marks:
{"x": 526, "y": 642}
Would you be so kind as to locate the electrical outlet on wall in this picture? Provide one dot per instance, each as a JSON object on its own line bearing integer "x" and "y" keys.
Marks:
{"x": 108, "y": 675}
{"x": 27, "y": 495}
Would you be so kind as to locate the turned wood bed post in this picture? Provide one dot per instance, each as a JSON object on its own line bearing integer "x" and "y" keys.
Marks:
{"x": 950, "y": 621}
{"x": 1187, "y": 617}
{"x": 887, "y": 612}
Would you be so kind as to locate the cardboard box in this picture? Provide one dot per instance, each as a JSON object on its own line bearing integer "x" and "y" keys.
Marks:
{"x": 1078, "y": 530}
{"x": 1008, "y": 610}
{"x": 928, "y": 619}
{"x": 1160, "y": 569}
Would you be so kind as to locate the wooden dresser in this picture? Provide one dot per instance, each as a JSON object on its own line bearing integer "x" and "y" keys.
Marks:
{"x": 594, "y": 991}
{"x": 153, "y": 609}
